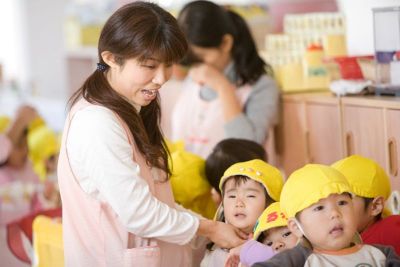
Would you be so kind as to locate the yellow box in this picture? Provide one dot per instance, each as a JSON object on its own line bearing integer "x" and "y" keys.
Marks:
{"x": 291, "y": 79}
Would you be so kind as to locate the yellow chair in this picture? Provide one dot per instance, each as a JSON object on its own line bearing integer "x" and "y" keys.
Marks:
{"x": 47, "y": 242}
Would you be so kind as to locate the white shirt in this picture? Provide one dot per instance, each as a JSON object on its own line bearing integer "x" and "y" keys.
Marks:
{"x": 101, "y": 158}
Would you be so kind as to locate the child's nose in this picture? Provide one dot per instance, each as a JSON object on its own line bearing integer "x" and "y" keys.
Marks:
{"x": 239, "y": 202}
{"x": 278, "y": 246}
{"x": 335, "y": 213}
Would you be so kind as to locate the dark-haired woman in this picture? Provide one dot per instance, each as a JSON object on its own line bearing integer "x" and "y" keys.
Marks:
{"x": 118, "y": 207}
{"x": 229, "y": 92}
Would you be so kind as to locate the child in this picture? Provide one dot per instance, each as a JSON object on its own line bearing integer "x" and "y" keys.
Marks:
{"x": 247, "y": 189}
{"x": 317, "y": 201}
{"x": 226, "y": 153}
{"x": 43, "y": 151}
{"x": 371, "y": 187}
{"x": 228, "y": 85}
{"x": 189, "y": 184}
{"x": 271, "y": 236}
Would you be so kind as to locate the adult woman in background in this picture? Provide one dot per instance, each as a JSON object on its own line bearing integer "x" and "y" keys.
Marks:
{"x": 229, "y": 92}
{"x": 118, "y": 208}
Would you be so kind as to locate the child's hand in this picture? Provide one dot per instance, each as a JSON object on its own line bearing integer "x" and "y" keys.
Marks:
{"x": 206, "y": 75}
{"x": 233, "y": 258}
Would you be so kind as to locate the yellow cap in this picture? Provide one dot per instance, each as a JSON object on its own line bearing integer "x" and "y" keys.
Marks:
{"x": 365, "y": 176}
{"x": 4, "y": 122}
{"x": 43, "y": 143}
{"x": 307, "y": 185}
{"x": 189, "y": 184}
{"x": 270, "y": 218}
{"x": 260, "y": 171}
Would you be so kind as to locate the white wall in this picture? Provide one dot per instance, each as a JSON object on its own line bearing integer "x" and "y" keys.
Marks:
{"x": 13, "y": 55}
{"x": 45, "y": 20}
{"x": 32, "y": 46}
{"x": 359, "y": 21}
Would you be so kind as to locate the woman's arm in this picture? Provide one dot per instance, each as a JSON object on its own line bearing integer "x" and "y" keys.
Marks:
{"x": 259, "y": 114}
{"x": 101, "y": 158}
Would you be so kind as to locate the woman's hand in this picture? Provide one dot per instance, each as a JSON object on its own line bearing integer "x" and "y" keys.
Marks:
{"x": 222, "y": 234}
{"x": 207, "y": 75}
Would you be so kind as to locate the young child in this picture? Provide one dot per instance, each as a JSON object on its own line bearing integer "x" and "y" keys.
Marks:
{"x": 271, "y": 236}
{"x": 226, "y": 153}
{"x": 247, "y": 189}
{"x": 317, "y": 201}
{"x": 371, "y": 187}
{"x": 228, "y": 86}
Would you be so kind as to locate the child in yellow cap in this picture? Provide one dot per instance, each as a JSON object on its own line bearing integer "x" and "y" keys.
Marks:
{"x": 226, "y": 153}
{"x": 247, "y": 189}
{"x": 271, "y": 236}
{"x": 317, "y": 201}
{"x": 371, "y": 187}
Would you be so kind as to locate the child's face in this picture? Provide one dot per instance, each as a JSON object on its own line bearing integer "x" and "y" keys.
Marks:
{"x": 243, "y": 203}
{"x": 366, "y": 214}
{"x": 280, "y": 238}
{"x": 330, "y": 224}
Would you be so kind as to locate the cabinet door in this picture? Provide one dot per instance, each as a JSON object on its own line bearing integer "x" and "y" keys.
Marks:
{"x": 393, "y": 144}
{"x": 294, "y": 144}
{"x": 364, "y": 132}
{"x": 323, "y": 138}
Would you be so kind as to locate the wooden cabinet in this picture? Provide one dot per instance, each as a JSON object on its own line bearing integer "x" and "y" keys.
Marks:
{"x": 393, "y": 146}
{"x": 294, "y": 139}
{"x": 324, "y": 140}
{"x": 364, "y": 132}
{"x": 321, "y": 128}
{"x": 311, "y": 130}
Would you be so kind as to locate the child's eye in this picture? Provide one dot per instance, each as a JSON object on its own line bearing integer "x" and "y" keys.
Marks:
{"x": 251, "y": 196}
{"x": 269, "y": 243}
{"x": 343, "y": 202}
{"x": 232, "y": 196}
{"x": 287, "y": 234}
{"x": 318, "y": 208}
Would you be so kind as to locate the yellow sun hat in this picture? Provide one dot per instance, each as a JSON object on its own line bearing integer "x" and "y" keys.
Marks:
{"x": 260, "y": 171}
{"x": 43, "y": 143}
{"x": 366, "y": 178}
{"x": 189, "y": 184}
{"x": 271, "y": 217}
{"x": 4, "y": 122}
{"x": 307, "y": 185}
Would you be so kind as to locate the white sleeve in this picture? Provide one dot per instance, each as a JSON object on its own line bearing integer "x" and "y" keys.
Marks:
{"x": 101, "y": 158}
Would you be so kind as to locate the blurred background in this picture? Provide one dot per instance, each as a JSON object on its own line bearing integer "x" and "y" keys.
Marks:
{"x": 49, "y": 47}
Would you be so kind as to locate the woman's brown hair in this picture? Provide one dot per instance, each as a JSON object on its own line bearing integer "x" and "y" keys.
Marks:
{"x": 138, "y": 30}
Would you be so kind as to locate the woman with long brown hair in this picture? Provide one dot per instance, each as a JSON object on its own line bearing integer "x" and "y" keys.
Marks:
{"x": 118, "y": 208}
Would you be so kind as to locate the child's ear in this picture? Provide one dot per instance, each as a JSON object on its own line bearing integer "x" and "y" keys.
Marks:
{"x": 377, "y": 206}
{"x": 109, "y": 59}
{"x": 294, "y": 228}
